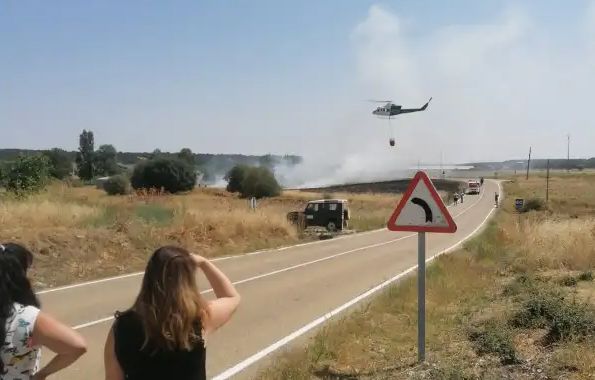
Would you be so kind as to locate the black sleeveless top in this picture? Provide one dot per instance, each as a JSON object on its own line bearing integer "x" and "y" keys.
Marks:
{"x": 151, "y": 364}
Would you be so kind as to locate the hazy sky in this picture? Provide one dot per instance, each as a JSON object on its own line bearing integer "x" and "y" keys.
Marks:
{"x": 292, "y": 77}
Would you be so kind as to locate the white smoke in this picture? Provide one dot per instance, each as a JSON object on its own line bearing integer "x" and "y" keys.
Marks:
{"x": 498, "y": 87}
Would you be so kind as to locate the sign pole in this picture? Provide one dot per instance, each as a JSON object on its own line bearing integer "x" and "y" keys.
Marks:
{"x": 421, "y": 210}
{"x": 421, "y": 296}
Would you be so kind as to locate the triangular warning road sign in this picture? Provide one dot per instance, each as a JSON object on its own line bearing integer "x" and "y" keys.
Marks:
{"x": 421, "y": 209}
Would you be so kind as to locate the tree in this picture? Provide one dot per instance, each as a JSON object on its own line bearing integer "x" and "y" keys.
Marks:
{"x": 60, "y": 163}
{"x": 268, "y": 161}
{"x": 156, "y": 154}
{"x": 171, "y": 174}
{"x": 235, "y": 177}
{"x": 85, "y": 157}
{"x": 252, "y": 181}
{"x": 187, "y": 156}
{"x": 259, "y": 183}
{"x": 106, "y": 163}
{"x": 292, "y": 160}
{"x": 4, "y": 168}
{"x": 27, "y": 174}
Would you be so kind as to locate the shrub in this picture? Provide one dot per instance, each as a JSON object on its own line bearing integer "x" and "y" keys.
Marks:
{"x": 538, "y": 309}
{"x": 568, "y": 281}
{"x": 117, "y": 185}
{"x": 571, "y": 321}
{"x": 170, "y": 174}
{"x": 259, "y": 183}
{"x": 496, "y": 339}
{"x": 534, "y": 204}
{"x": 521, "y": 285}
{"x": 563, "y": 319}
{"x": 27, "y": 174}
{"x": 586, "y": 276}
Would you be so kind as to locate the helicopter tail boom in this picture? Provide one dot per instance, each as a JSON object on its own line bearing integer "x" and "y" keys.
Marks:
{"x": 409, "y": 110}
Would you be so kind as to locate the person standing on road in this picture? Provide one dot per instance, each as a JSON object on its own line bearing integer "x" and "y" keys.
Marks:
{"x": 163, "y": 335}
{"x": 456, "y": 198}
{"x": 24, "y": 329}
{"x": 496, "y": 198}
{"x": 462, "y": 196}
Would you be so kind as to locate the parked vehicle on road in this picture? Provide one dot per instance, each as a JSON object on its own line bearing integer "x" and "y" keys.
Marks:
{"x": 473, "y": 187}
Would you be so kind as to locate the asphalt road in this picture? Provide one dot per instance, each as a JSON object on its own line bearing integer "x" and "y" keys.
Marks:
{"x": 286, "y": 293}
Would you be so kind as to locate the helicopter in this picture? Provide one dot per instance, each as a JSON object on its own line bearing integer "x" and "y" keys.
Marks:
{"x": 390, "y": 109}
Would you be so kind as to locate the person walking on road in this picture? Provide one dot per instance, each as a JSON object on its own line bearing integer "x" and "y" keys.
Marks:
{"x": 496, "y": 198}
{"x": 462, "y": 196}
{"x": 163, "y": 334}
{"x": 24, "y": 329}
{"x": 456, "y": 198}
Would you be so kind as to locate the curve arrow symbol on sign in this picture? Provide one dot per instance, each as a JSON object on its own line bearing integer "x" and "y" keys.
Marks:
{"x": 423, "y": 204}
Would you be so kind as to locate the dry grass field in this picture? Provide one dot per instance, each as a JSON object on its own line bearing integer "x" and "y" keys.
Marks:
{"x": 518, "y": 302}
{"x": 81, "y": 233}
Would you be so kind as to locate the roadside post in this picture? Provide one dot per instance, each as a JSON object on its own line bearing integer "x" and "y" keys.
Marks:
{"x": 519, "y": 204}
{"x": 421, "y": 210}
{"x": 252, "y": 203}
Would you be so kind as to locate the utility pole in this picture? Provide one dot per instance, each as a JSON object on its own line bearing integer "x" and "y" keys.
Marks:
{"x": 568, "y": 151}
{"x": 441, "y": 166}
{"x": 547, "y": 182}
{"x": 528, "y": 163}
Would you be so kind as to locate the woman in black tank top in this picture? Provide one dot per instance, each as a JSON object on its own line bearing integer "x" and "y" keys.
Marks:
{"x": 163, "y": 334}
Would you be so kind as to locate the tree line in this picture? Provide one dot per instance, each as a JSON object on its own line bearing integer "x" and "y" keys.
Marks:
{"x": 30, "y": 171}
{"x": 212, "y": 167}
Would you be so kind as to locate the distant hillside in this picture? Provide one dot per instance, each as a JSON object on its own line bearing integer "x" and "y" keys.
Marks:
{"x": 213, "y": 166}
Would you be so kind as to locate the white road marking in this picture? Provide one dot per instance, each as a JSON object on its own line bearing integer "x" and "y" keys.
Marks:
{"x": 88, "y": 324}
{"x": 217, "y": 259}
{"x": 301, "y": 265}
{"x": 304, "y": 329}
{"x": 286, "y": 269}
{"x": 272, "y": 250}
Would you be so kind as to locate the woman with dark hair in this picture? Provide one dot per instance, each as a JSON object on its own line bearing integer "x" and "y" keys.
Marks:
{"x": 163, "y": 334}
{"x": 24, "y": 329}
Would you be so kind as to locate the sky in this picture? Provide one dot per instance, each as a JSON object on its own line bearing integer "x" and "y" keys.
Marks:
{"x": 283, "y": 77}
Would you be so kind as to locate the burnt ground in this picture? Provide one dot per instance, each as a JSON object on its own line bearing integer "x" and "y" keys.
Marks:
{"x": 396, "y": 186}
